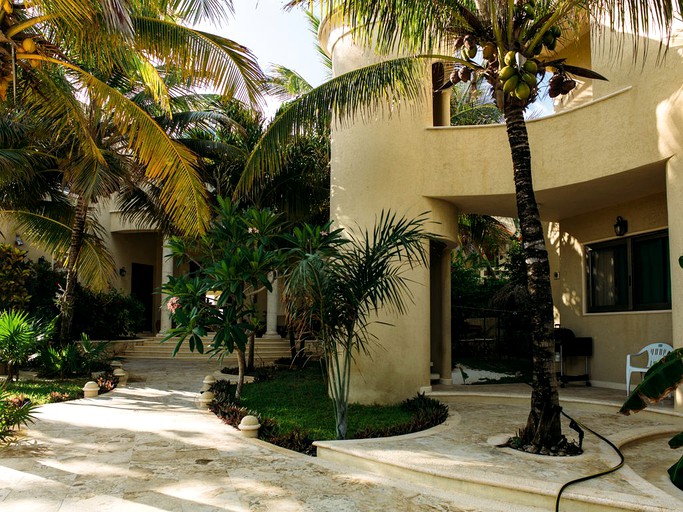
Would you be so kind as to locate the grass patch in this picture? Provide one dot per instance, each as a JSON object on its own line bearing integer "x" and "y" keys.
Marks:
{"x": 38, "y": 391}
{"x": 298, "y": 400}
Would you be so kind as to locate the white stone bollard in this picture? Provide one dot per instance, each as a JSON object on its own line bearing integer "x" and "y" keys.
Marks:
{"x": 116, "y": 364}
{"x": 122, "y": 375}
{"x": 249, "y": 426}
{"x": 91, "y": 389}
{"x": 208, "y": 381}
{"x": 204, "y": 399}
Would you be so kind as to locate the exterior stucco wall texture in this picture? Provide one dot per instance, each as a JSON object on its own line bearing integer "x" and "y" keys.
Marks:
{"x": 619, "y": 154}
{"x": 614, "y": 334}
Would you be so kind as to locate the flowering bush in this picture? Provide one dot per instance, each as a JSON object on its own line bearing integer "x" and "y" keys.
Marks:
{"x": 173, "y": 304}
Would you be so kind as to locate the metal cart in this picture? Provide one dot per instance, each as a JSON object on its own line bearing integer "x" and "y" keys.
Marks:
{"x": 568, "y": 345}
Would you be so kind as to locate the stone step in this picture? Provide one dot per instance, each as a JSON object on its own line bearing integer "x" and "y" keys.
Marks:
{"x": 267, "y": 350}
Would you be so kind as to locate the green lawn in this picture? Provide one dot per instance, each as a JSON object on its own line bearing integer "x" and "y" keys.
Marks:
{"x": 38, "y": 391}
{"x": 298, "y": 399}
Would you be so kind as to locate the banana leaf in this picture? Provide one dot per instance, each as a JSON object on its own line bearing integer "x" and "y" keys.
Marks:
{"x": 676, "y": 441}
{"x": 676, "y": 474}
{"x": 661, "y": 379}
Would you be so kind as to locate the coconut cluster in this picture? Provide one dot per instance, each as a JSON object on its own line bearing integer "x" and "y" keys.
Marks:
{"x": 518, "y": 75}
{"x": 560, "y": 83}
{"x": 515, "y": 69}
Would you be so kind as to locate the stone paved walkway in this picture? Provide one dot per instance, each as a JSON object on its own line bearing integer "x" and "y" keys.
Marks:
{"x": 146, "y": 447}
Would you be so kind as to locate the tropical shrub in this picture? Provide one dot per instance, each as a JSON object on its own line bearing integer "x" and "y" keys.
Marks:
{"x": 334, "y": 284}
{"x": 56, "y": 396}
{"x": 425, "y": 413}
{"x": 235, "y": 257}
{"x": 107, "y": 382}
{"x": 661, "y": 379}
{"x": 102, "y": 315}
{"x": 14, "y": 273}
{"x": 17, "y": 341}
{"x": 74, "y": 359}
{"x": 501, "y": 294}
{"x": 95, "y": 354}
{"x": 107, "y": 315}
{"x": 60, "y": 361}
{"x": 44, "y": 284}
{"x": 13, "y": 414}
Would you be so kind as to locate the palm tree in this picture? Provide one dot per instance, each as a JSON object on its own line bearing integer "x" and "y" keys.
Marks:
{"x": 57, "y": 55}
{"x": 516, "y": 39}
{"x": 333, "y": 285}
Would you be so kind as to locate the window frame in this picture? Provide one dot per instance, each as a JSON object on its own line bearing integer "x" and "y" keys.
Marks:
{"x": 627, "y": 242}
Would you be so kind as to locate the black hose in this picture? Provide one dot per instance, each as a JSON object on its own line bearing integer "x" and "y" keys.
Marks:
{"x": 589, "y": 477}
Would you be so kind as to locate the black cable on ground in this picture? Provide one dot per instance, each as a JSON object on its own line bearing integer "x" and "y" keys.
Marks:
{"x": 589, "y": 477}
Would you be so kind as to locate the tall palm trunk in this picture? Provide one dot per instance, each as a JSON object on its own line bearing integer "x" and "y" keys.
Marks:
{"x": 543, "y": 428}
{"x": 66, "y": 302}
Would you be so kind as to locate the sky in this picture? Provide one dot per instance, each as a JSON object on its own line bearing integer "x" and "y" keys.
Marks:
{"x": 275, "y": 36}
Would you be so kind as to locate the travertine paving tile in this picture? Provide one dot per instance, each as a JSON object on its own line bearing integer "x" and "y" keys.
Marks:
{"x": 147, "y": 448}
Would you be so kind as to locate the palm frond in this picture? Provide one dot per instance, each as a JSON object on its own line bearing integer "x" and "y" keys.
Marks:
{"x": 52, "y": 234}
{"x": 285, "y": 84}
{"x": 141, "y": 207}
{"x": 167, "y": 162}
{"x": 217, "y": 12}
{"x": 635, "y": 17}
{"x": 180, "y": 122}
{"x": 414, "y": 26}
{"x": 314, "y": 28}
{"x": 201, "y": 58}
{"x": 359, "y": 93}
{"x": 154, "y": 84}
{"x": 213, "y": 149}
{"x": 54, "y": 100}
{"x": 86, "y": 14}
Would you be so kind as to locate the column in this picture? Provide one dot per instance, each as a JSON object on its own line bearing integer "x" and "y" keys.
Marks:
{"x": 166, "y": 271}
{"x": 446, "y": 368}
{"x": 674, "y": 192}
{"x": 272, "y": 306}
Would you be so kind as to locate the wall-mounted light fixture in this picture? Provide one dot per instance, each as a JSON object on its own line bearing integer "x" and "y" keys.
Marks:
{"x": 17, "y": 240}
{"x": 122, "y": 272}
{"x": 620, "y": 226}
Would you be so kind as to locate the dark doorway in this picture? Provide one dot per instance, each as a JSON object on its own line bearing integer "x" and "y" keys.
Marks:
{"x": 142, "y": 288}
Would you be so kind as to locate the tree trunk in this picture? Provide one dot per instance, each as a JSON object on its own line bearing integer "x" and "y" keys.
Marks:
{"x": 241, "y": 364}
{"x": 543, "y": 428}
{"x": 251, "y": 348}
{"x": 66, "y": 301}
{"x": 338, "y": 381}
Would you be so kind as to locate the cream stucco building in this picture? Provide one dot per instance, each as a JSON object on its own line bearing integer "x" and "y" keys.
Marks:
{"x": 610, "y": 149}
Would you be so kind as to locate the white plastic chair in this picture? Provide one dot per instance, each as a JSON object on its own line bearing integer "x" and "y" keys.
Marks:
{"x": 655, "y": 351}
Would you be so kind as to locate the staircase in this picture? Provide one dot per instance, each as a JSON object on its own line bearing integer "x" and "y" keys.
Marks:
{"x": 267, "y": 350}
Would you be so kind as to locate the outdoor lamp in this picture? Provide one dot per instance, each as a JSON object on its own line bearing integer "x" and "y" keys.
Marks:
{"x": 621, "y": 226}
{"x": 17, "y": 240}
{"x": 122, "y": 272}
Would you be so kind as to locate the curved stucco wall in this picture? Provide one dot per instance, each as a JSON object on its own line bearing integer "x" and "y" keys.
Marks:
{"x": 596, "y": 159}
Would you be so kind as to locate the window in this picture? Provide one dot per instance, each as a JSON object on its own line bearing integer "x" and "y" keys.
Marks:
{"x": 629, "y": 274}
